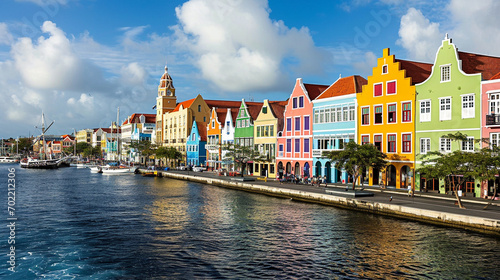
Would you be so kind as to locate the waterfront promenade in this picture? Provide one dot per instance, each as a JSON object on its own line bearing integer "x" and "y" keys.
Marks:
{"x": 425, "y": 207}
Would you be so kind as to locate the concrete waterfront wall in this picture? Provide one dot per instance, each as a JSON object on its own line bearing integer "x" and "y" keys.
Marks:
{"x": 478, "y": 224}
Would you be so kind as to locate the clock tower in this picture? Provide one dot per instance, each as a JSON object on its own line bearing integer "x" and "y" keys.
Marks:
{"x": 165, "y": 102}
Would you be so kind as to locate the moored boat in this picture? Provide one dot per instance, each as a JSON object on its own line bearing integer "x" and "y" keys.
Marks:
{"x": 4, "y": 159}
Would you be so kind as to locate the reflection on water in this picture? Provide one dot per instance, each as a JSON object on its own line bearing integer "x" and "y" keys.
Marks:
{"x": 80, "y": 225}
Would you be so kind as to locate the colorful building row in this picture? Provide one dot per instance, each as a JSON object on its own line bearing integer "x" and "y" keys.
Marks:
{"x": 404, "y": 108}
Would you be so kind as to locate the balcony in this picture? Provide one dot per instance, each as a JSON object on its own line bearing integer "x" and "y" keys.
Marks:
{"x": 493, "y": 119}
{"x": 212, "y": 147}
{"x": 319, "y": 152}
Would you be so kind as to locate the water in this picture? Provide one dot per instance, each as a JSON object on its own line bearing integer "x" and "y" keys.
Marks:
{"x": 73, "y": 224}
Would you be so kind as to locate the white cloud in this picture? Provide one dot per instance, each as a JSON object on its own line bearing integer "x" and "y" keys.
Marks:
{"x": 238, "y": 47}
{"x": 365, "y": 66}
{"x": 5, "y": 36}
{"x": 133, "y": 74}
{"x": 471, "y": 26}
{"x": 419, "y": 36}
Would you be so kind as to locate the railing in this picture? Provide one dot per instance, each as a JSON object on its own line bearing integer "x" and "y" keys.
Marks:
{"x": 211, "y": 147}
{"x": 319, "y": 152}
{"x": 280, "y": 154}
{"x": 493, "y": 119}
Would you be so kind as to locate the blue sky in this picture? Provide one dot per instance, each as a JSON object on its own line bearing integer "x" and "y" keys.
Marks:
{"x": 78, "y": 60}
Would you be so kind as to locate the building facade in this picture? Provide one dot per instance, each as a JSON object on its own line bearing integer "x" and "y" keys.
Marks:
{"x": 244, "y": 128}
{"x": 196, "y": 153}
{"x": 294, "y": 154}
{"x": 386, "y": 117}
{"x": 334, "y": 123}
{"x": 166, "y": 101}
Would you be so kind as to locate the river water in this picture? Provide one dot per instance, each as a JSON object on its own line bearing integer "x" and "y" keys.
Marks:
{"x": 73, "y": 224}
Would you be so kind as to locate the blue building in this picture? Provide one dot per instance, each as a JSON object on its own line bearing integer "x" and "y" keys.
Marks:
{"x": 334, "y": 123}
{"x": 195, "y": 144}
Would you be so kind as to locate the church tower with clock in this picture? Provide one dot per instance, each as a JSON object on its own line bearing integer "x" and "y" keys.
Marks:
{"x": 165, "y": 102}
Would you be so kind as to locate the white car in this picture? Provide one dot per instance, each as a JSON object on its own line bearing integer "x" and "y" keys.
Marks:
{"x": 198, "y": 168}
{"x": 182, "y": 167}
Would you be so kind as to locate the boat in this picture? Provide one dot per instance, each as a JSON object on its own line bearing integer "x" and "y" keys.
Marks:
{"x": 107, "y": 169}
{"x": 95, "y": 169}
{"x": 32, "y": 162}
{"x": 9, "y": 159}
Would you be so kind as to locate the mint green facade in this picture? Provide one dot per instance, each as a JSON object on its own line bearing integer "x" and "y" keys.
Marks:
{"x": 447, "y": 102}
{"x": 243, "y": 132}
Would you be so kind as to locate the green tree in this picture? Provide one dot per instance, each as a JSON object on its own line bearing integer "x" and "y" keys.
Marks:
{"x": 24, "y": 145}
{"x": 241, "y": 155}
{"x": 355, "y": 158}
{"x": 487, "y": 166}
{"x": 145, "y": 148}
{"x": 450, "y": 165}
{"x": 168, "y": 153}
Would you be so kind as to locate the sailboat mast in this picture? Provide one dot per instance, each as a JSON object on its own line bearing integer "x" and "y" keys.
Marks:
{"x": 43, "y": 137}
{"x": 117, "y": 137}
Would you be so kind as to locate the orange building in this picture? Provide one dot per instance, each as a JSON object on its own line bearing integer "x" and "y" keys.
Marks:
{"x": 386, "y": 110}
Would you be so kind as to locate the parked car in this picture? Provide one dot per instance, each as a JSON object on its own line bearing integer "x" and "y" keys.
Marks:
{"x": 182, "y": 167}
{"x": 199, "y": 168}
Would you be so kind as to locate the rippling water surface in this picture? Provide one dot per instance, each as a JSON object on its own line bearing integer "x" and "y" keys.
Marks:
{"x": 73, "y": 224}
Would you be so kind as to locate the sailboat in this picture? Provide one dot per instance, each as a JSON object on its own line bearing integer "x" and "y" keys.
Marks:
{"x": 31, "y": 162}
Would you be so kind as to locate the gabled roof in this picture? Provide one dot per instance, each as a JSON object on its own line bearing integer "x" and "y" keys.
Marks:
{"x": 417, "y": 71}
{"x": 254, "y": 109}
{"x": 221, "y": 115}
{"x": 343, "y": 86}
{"x": 134, "y": 118}
{"x": 108, "y": 130}
{"x": 473, "y": 63}
{"x": 278, "y": 108}
{"x": 185, "y": 104}
{"x": 202, "y": 130}
{"x": 314, "y": 90}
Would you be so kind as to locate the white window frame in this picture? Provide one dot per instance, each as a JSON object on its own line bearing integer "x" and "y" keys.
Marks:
{"x": 395, "y": 140}
{"x": 445, "y": 115}
{"x": 494, "y": 141}
{"x": 382, "y": 90}
{"x": 445, "y": 145}
{"x": 445, "y": 77}
{"x": 387, "y": 87}
{"x": 425, "y": 117}
{"x": 493, "y": 103}
{"x": 402, "y": 142}
{"x": 468, "y": 145}
{"x": 468, "y": 111}
{"x": 425, "y": 145}
{"x": 387, "y": 114}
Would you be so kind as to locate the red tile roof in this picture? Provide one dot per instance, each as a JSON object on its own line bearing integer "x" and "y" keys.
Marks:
{"x": 473, "y": 63}
{"x": 223, "y": 104}
{"x": 278, "y": 108}
{"x": 343, "y": 86}
{"x": 185, "y": 104}
{"x": 134, "y": 118}
{"x": 496, "y": 76}
{"x": 314, "y": 90}
{"x": 417, "y": 71}
{"x": 254, "y": 109}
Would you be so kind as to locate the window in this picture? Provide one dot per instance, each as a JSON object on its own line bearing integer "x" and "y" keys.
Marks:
{"x": 406, "y": 143}
{"x": 445, "y": 73}
{"x": 378, "y": 115}
{"x": 316, "y": 116}
{"x": 365, "y": 115}
{"x": 327, "y": 115}
{"x": 264, "y": 109}
{"x": 306, "y": 122}
{"x": 345, "y": 113}
{"x": 391, "y": 87}
{"x": 377, "y": 89}
{"x": 294, "y": 103}
{"x": 377, "y": 141}
{"x": 365, "y": 139}
{"x": 351, "y": 113}
{"x": 297, "y": 124}
{"x": 494, "y": 103}
{"x": 306, "y": 145}
{"x": 297, "y": 145}
{"x": 468, "y": 145}
{"x": 258, "y": 131}
{"x": 213, "y": 123}
{"x": 445, "y": 109}
{"x": 266, "y": 131}
{"x": 301, "y": 101}
{"x": 339, "y": 114}
{"x": 280, "y": 147}
{"x": 445, "y": 145}
{"x": 425, "y": 111}
{"x": 494, "y": 137}
{"x": 406, "y": 108}
{"x": 391, "y": 113}
{"x": 288, "y": 124}
{"x": 468, "y": 110}
{"x": 384, "y": 69}
{"x": 321, "y": 116}
{"x": 199, "y": 108}
{"x": 271, "y": 130}
{"x": 425, "y": 145}
{"x": 391, "y": 143}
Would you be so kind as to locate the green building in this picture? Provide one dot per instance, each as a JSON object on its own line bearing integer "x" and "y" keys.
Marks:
{"x": 448, "y": 101}
{"x": 244, "y": 130}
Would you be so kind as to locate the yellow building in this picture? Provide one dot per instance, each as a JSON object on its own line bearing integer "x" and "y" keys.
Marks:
{"x": 84, "y": 135}
{"x": 268, "y": 123}
{"x": 178, "y": 122}
{"x": 165, "y": 102}
{"x": 386, "y": 110}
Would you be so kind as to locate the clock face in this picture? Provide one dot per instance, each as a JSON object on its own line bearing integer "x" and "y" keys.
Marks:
{"x": 169, "y": 92}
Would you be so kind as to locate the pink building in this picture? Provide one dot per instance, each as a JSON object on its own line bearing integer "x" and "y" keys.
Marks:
{"x": 294, "y": 152}
{"x": 490, "y": 121}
